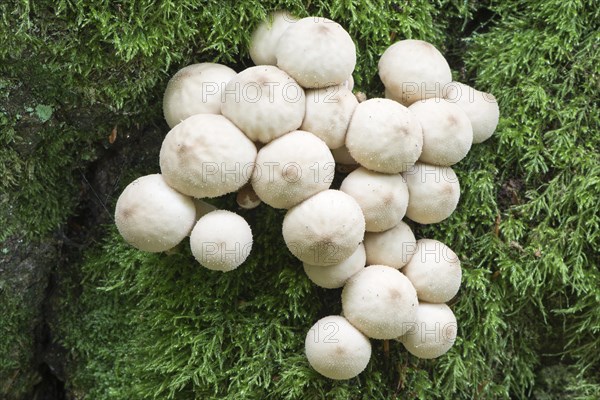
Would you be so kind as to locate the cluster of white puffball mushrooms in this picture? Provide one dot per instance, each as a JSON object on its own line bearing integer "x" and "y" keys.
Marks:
{"x": 275, "y": 132}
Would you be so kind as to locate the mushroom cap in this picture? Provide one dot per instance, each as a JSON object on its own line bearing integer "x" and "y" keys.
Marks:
{"x": 324, "y": 229}
{"x": 284, "y": 176}
{"x": 206, "y": 156}
{"x": 195, "y": 89}
{"x": 341, "y": 155}
{"x": 335, "y": 276}
{"x": 481, "y": 108}
{"x": 434, "y": 271}
{"x": 336, "y": 349}
{"x": 447, "y": 132}
{"x": 383, "y": 198}
{"x": 413, "y": 70}
{"x": 349, "y": 83}
{"x": 433, "y": 333}
{"x": 151, "y": 216}
{"x": 328, "y": 113}
{"x": 384, "y": 136}
{"x": 433, "y": 193}
{"x": 394, "y": 247}
{"x": 264, "y": 39}
{"x": 264, "y": 102}
{"x": 247, "y": 198}
{"x": 380, "y": 302}
{"x": 221, "y": 240}
{"x": 317, "y": 52}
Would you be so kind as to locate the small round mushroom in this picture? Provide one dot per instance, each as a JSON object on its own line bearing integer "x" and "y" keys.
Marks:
{"x": 384, "y": 136}
{"x": 221, "y": 240}
{"x": 324, "y": 229}
{"x": 383, "y": 198}
{"x": 447, "y": 132}
{"x": 317, "y": 52}
{"x": 292, "y": 168}
{"x": 206, "y": 156}
{"x": 336, "y": 349}
{"x": 335, "y": 276}
{"x": 413, "y": 70}
{"x": 433, "y": 333}
{"x": 264, "y": 39}
{"x": 151, "y": 216}
{"x": 328, "y": 113}
{"x": 481, "y": 108}
{"x": 434, "y": 271}
{"x": 380, "y": 302}
{"x": 264, "y": 102}
{"x": 247, "y": 198}
{"x": 394, "y": 247}
{"x": 433, "y": 193}
{"x": 195, "y": 89}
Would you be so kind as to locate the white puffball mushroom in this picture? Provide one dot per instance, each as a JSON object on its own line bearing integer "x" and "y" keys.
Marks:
{"x": 335, "y": 276}
{"x": 292, "y": 168}
{"x": 384, "y": 136}
{"x": 413, "y": 70}
{"x": 349, "y": 83}
{"x": 433, "y": 333}
{"x": 151, "y": 216}
{"x": 447, "y": 131}
{"x": 434, "y": 192}
{"x": 324, "y": 229}
{"x": 206, "y": 156}
{"x": 336, "y": 349}
{"x": 383, "y": 198}
{"x": 317, "y": 52}
{"x": 328, "y": 113}
{"x": 195, "y": 89}
{"x": 394, "y": 247}
{"x": 202, "y": 208}
{"x": 434, "y": 271}
{"x": 264, "y": 39}
{"x": 481, "y": 108}
{"x": 247, "y": 198}
{"x": 264, "y": 102}
{"x": 380, "y": 302}
{"x": 221, "y": 240}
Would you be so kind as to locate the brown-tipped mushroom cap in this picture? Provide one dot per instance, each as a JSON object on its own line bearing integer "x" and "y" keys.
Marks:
{"x": 384, "y": 136}
{"x": 433, "y": 333}
{"x": 151, "y": 216}
{"x": 383, "y": 198}
{"x": 434, "y": 271}
{"x": 394, "y": 247}
{"x": 324, "y": 229}
{"x": 481, "y": 108}
{"x": 221, "y": 240}
{"x": 433, "y": 193}
{"x": 336, "y": 349}
{"x": 264, "y": 102}
{"x": 335, "y": 276}
{"x": 206, "y": 156}
{"x": 317, "y": 52}
{"x": 413, "y": 70}
{"x": 264, "y": 39}
{"x": 292, "y": 168}
{"x": 447, "y": 132}
{"x": 195, "y": 89}
{"x": 380, "y": 301}
{"x": 328, "y": 113}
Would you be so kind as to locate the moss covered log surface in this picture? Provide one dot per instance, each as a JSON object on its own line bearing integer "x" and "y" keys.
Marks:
{"x": 85, "y": 316}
